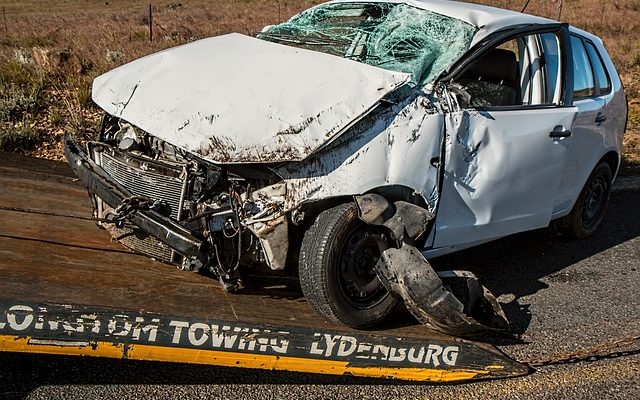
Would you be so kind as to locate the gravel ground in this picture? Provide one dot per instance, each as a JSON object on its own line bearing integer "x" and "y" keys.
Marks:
{"x": 560, "y": 295}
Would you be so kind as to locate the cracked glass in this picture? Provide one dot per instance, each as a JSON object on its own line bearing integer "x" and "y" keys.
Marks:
{"x": 393, "y": 36}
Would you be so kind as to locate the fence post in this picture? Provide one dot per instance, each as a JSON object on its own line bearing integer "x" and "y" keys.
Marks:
{"x": 150, "y": 24}
{"x": 560, "y": 3}
{"x": 4, "y": 15}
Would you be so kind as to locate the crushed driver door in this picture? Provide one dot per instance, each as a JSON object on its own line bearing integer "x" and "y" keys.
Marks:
{"x": 507, "y": 137}
{"x": 501, "y": 172}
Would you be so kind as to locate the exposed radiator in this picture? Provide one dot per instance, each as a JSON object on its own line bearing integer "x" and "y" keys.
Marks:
{"x": 143, "y": 178}
{"x": 139, "y": 180}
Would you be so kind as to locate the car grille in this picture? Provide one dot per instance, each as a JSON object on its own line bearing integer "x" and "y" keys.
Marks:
{"x": 137, "y": 176}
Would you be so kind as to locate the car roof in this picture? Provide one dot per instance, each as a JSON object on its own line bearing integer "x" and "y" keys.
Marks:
{"x": 487, "y": 19}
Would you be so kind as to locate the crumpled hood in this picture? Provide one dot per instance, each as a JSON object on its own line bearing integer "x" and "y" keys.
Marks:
{"x": 234, "y": 98}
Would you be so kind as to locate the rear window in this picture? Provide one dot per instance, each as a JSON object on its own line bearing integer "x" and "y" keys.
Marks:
{"x": 602, "y": 78}
{"x": 583, "y": 82}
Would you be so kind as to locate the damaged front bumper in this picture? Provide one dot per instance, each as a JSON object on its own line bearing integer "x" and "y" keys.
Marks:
{"x": 99, "y": 183}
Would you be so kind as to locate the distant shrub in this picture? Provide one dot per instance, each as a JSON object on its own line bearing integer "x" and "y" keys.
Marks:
{"x": 83, "y": 95}
{"x": 22, "y": 91}
{"x": 16, "y": 103}
{"x": 55, "y": 117}
{"x": 15, "y": 73}
{"x": 18, "y": 138}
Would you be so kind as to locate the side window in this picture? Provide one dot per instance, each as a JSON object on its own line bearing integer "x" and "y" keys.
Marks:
{"x": 495, "y": 79}
{"x": 583, "y": 83}
{"x": 602, "y": 78}
{"x": 552, "y": 68}
{"x": 524, "y": 71}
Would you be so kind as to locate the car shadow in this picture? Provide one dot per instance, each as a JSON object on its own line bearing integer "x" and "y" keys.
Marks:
{"x": 514, "y": 266}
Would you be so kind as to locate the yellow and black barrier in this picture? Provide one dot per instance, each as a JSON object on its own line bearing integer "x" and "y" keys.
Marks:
{"x": 88, "y": 331}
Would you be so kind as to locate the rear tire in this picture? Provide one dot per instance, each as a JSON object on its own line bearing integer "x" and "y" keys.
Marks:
{"x": 589, "y": 210}
{"x": 336, "y": 272}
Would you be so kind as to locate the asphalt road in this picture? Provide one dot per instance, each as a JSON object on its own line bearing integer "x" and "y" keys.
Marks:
{"x": 560, "y": 295}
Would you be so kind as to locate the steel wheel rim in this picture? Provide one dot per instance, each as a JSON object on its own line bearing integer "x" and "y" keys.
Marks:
{"x": 593, "y": 202}
{"x": 357, "y": 281}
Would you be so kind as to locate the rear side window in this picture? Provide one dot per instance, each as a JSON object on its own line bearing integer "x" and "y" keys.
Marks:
{"x": 583, "y": 82}
{"x": 602, "y": 78}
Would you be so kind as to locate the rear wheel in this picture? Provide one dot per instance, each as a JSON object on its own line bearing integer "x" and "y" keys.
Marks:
{"x": 336, "y": 271}
{"x": 588, "y": 212}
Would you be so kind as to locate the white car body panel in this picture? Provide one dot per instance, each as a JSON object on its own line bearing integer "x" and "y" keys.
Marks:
{"x": 502, "y": 171}
{"x": 234, "y": 98}
{"x": 394, "y": 150}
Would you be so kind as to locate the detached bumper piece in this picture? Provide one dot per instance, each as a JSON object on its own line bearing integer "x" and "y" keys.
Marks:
{"x": 459, "y": 306}
{"x": 115, "y": 195}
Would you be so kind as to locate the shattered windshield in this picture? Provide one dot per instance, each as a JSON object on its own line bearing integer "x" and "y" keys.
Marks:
{"x": 394, "y": 36}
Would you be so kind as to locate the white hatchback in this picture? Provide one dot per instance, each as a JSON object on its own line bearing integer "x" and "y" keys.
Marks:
{"x": 353, "y": 128}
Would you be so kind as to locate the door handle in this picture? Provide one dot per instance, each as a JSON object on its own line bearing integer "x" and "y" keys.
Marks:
{"x": 600, "y": 118}
{"x": 559, "y": 132}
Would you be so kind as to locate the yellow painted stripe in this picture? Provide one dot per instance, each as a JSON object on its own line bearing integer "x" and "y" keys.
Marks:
{"x": 21, "y": 344}
{"x": 231, "y": 359}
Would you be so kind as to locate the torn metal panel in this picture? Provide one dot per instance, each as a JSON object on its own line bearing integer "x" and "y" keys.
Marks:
{"x": 407, "y": 274}
{"x": 405, "y": 221}
{"x": 274, "y": 237}
{"x": 239, "y": 99}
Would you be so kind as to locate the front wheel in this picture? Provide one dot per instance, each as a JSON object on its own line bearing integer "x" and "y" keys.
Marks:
{"x": 588, "y": 212}
{"x": 336, "y": 270}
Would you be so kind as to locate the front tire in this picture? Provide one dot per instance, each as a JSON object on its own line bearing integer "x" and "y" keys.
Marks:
{"x": 336, "y": 271}
{"x": 588, "y": 212}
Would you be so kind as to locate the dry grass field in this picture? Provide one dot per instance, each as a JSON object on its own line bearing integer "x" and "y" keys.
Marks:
{"x": 50, "y": 51}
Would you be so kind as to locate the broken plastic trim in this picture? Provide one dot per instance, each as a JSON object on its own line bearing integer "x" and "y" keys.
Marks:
{"x": 405, "y": 221}
{"x": 407, "y": 274}
{"x": 393, "y": 36}
{"x": 460, "y": 306}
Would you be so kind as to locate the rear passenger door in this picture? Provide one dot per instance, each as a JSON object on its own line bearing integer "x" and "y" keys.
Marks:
{"x": 506, "y": 148}
{"x": 592, "y": 90}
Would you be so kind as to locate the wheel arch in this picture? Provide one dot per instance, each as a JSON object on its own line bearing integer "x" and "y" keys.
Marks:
{"x": 613, "y": 159}
{"x": 310, "y": 210}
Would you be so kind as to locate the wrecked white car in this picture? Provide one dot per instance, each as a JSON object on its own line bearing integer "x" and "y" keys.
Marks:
{"x": 349, "y": 143}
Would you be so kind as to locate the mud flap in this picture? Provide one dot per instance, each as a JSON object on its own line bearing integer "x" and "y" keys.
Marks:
{"x": 466, "y": 309}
